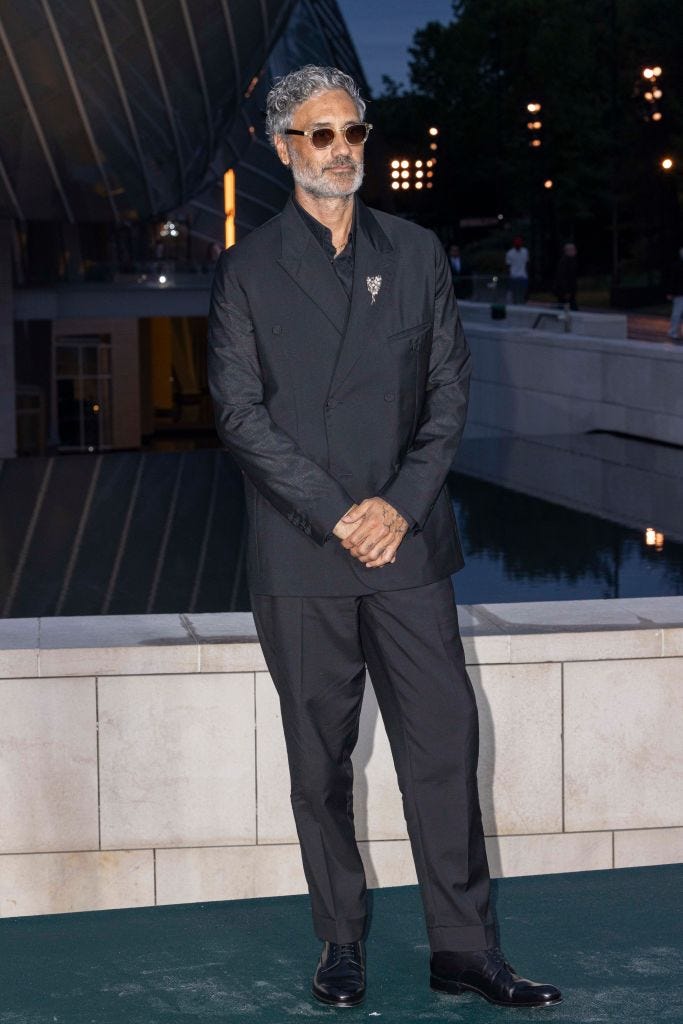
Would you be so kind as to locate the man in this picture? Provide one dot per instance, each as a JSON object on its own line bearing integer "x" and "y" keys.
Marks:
{"x": 516, "y": 260}
{"x": 455, "y": 260}
{"x": 339, "y": 373}
{"x": 676, "y": 296}
{"x": 462, "y": 285}
{"x": 566, "y": 276}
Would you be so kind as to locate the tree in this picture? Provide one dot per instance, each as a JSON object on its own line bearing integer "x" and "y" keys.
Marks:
{"x": 582, "y": 61}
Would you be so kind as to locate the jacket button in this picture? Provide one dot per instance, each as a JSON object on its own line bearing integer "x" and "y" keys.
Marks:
{"x": 331, "y": 403}
{"x": 389, "y": 396}
{"x": 277, "y": 329}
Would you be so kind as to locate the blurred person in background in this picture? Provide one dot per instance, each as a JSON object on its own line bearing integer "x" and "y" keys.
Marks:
{"x": 675, "y": 295}
{"x": 462, "y": 284}
{"x": 566, "y": 276}
{"x": 517, "y": 262}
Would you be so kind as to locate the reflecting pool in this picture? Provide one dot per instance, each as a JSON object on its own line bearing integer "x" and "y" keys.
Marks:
{"x": 142, "y": 532}
{"x": 521, "y": 548}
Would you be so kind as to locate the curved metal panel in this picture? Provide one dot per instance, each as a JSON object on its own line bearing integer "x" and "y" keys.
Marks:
{"x": 35, "y": 121}
{"x": 127, "y": 102}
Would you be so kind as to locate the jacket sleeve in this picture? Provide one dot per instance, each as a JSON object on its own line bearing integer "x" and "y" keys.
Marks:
{"x": 297, "y": 486}
{"x": 422, "y": 474}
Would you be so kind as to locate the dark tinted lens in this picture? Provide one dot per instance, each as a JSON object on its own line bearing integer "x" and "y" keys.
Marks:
{"x": 355, "y": 134}
{"x": 322, "y": 137}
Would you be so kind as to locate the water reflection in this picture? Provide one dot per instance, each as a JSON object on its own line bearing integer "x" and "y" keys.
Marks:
{"x": 520, "y": 548}
{"x": 131, "y": 533}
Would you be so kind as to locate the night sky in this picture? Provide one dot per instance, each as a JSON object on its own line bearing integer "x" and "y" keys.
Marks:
{"x": 383, "y": 31}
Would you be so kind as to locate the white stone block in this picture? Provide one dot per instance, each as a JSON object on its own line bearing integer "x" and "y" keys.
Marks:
{"x": 548, "y": 854}
{"x": 672, "y": 642}
{"x": 197, "y": 874}
{"x": 486, "y": 650}
{"x": 623, "y": 727}
{"x": 231, "y": 657}
{"x": 648, "y": 846}
{"x": 116, "y": 645}
{"x": 48, "y": 757}
{"x": 228, "y": 873}
{"x": 279, "y": 871}
{"x": 177, "y": 761}
{"x": 520, "y": 758}
{"x": 61, "y": 883}
{"x": 586, "y": 645}
{"x": 388, "y": 863}
{"x": 18, "y": 648}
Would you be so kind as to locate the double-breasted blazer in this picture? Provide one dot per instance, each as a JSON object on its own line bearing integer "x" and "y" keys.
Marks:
{"x": 324, "y": 402}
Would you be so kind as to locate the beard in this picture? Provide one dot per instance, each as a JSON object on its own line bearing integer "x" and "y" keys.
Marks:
{"x": 317, "y": 182}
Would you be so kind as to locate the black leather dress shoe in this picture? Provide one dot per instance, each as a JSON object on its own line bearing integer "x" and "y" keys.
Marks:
{"x": 488, "y": 973}
{"x": 340, "y": 976}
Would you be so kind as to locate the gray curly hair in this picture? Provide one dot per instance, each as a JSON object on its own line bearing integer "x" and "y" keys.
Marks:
{"x": 290, "y": 91}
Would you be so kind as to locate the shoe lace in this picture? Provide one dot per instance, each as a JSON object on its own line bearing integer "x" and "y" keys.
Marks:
{"x": 344, "y": 950}
{"x": 497, "y": 957}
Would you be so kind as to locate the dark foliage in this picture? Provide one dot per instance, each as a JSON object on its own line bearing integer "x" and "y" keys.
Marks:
{"x": 582, "y": 60}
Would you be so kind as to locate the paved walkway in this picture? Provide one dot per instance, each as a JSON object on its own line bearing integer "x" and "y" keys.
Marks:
{"x": 610, "y": 939}
{"x": 648, "y": 327}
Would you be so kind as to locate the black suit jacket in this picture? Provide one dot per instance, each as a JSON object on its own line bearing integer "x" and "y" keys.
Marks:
{"x": 323, "y": 403}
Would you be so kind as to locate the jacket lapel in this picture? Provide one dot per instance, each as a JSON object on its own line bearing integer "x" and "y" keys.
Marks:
{"x": 374, "y": 270}
{"x": 307, "y": 264}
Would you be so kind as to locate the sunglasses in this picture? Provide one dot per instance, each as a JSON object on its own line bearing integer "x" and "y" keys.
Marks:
{"x": 322, "y": 138}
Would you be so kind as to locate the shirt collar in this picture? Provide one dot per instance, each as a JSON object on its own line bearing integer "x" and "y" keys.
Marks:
{"x": 323, "y": 233}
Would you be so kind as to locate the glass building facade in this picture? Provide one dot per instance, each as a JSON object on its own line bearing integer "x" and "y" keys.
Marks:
{"x": 118, "y": 122}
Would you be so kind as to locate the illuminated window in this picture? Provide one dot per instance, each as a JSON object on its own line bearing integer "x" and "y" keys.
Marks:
{"x": 229, "y": 207}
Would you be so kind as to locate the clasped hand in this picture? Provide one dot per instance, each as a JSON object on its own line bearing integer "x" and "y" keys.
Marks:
{"x": 372, "y": 532}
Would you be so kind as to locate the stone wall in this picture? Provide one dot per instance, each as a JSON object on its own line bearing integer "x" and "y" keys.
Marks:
{"x": 143, "y": 762}
{"x": 543, "y": 382}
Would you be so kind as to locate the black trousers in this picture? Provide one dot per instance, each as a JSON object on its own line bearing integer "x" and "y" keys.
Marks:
{"x": 317, "y": 649}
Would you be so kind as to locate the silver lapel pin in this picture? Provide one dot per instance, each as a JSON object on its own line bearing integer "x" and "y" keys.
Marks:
{"x": 374, "y": 284}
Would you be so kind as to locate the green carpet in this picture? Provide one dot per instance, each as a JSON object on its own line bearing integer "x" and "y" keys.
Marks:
{"x": 610, "y": 939}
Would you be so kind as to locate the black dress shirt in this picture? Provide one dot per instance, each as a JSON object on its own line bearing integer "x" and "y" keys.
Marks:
{"x": 342, "y": 263}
